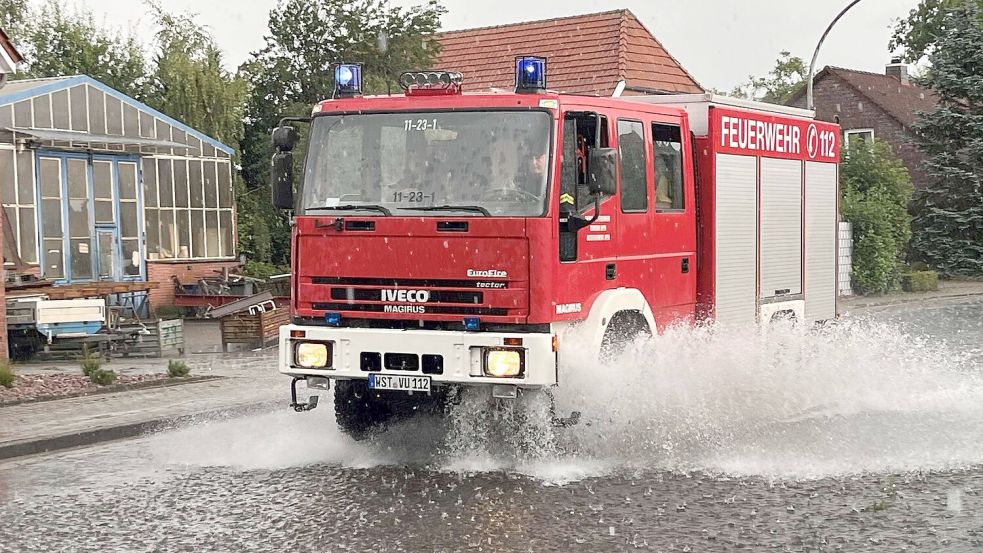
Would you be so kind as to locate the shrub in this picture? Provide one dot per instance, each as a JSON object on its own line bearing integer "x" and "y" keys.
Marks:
{"x": 876, "y": 189}
{"x": 263, "y": 270}
{"x": 920, "y": 281}
{"x": 89, "y": 361}
{"x": 170, "y": 312}
{"x": 176, "y": 369}
{"x": 103, "y": 377}
{"x": 6, "y": 375}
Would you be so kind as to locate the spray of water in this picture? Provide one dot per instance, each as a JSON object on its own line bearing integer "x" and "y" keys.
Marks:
{"x": 782, "y": 400}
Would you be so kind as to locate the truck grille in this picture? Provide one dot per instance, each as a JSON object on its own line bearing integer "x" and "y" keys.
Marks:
{"x": 413, "y": 282}
{"x": 379, "y": 308}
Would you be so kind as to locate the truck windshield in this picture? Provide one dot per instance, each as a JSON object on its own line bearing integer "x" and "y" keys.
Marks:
{"x": 429, "y": 163}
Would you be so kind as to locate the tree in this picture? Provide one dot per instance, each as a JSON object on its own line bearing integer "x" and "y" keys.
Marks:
{"x": 56, "y": 43}
{"x": 13, "y": 15}
{"x": 876, "y": 189}
{"x": 915, "y": 35}
{"x": 784, "y": 80}
{"x": 948, "y": 220}
{"x": 295, "y": 69}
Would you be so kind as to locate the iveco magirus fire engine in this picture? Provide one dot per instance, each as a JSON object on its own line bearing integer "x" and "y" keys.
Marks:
{"x": 444, "y": 239}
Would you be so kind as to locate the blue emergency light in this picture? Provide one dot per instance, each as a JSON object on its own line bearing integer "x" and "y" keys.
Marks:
{"x": 472, "y": 323}
{"x": 332, "y": 319}
{"x": 530, "y": 74}
{"x": 348, "y": 80}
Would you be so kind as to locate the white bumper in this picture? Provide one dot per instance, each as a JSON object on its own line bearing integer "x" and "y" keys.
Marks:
{"x": 461, "y": 351}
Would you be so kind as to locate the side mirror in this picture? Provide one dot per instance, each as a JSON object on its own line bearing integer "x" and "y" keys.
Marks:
{"x": 601, "y": 166}
{"x": 282, "y": 174}
{"x": 285, "y": 138}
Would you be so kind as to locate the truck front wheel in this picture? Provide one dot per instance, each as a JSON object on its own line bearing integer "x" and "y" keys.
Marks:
{"x": 355, "y": 413}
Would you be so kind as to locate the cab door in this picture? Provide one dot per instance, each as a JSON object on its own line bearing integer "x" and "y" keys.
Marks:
{"x": 672, "y": 289}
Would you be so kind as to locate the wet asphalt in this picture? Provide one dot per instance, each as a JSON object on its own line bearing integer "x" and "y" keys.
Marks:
{"x": 910, "y": 479}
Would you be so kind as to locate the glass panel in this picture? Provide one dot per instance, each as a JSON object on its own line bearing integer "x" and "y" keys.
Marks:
{"x": 127, "y": 181}
{"x": 195, "y": 183}
{"x": 631, "y": 150}
{"x": 114, "y": 116}
{"x": 77, "y": 178}
{"x": 667, "y": 149}
{"x": 167, "y": 233}
{"x": 211, "y": 234}
{"x": 52, "y": 258}
{"x": 198, "y": 232}
{"x": 211, "y": 186}
{"x": 225, "y": 222}
{"x": 28, "y": 238}
{"x": 51, "y": 218}
{"x": 107, "y": 259}
{"x": 50, "y": 178}
{"x": 59, "y": 101}
{"x": 128, "y": 227}
{"x": 97, "y": 112}
{"x": 78, "y": 218}
{"x": 42, "y": 112}
{"x": 102, "y": 179}
{"x": 131, "y": 257}
{"x": 180, "y": 183}
{"x": 153, "y": 233}
{"x": 224, "y": 185}
{"x": 78, "y": 111}
{"x": 7, "y": 176}
{"x": 25, "y": 178}
{"x": 166, "y": 182}
{"x": 104, "y": 211}
{"x": 183, "y": 233}
{"x": 149, "y": 183}
{"x": 81, "y": 256}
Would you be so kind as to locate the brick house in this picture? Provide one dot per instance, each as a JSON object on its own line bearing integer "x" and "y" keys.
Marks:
{"x": 872, "y": 105}
{"x": 586, "y": 54}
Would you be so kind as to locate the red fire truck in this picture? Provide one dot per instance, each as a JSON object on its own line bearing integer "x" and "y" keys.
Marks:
{"x": 444, "y": 239}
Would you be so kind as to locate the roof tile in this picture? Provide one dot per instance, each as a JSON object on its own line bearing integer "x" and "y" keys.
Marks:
{"x": 588, "y": 54}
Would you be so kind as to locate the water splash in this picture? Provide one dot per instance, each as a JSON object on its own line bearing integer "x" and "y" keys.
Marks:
{"x": 784, "y": 400}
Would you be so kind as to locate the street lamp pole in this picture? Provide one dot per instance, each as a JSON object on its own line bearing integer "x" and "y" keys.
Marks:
{"x": 812, "y": 64}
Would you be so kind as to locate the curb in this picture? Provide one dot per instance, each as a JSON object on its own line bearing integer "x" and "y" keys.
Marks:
{"x": 90, "y": 437}
{"x": 115, "y": 388}
{"x": 902, "y": 301}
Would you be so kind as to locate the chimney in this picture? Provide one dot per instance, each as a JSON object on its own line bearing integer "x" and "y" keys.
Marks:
{"x": 897, "y": 69}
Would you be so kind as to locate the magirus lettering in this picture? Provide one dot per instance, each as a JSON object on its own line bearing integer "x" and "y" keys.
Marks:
{"x": 405, "y": 296}
{"x": 417, "y": 309}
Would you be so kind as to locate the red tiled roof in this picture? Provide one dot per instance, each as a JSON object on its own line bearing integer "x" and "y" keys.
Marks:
{"x": 587, "y": 54}
{"x": 899, "y": 100}
{"x": 7, "y": 45}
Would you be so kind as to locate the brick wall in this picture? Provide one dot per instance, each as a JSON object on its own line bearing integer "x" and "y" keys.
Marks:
{"x": 834, "y": 97}
{"x": 188, "y": 272}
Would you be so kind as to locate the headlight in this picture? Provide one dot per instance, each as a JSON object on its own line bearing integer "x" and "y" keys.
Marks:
{"x": 503, "y": 363}
{"x": 311, "y": 355}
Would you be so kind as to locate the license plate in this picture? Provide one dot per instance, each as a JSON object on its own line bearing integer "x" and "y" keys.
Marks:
{"x": 399, "y": 382}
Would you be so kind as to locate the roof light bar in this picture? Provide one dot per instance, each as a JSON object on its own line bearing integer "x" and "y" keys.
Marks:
{"x": 348, "y": 80}
{"x": 530, "y": 74}
{"x": 426, "y": 83}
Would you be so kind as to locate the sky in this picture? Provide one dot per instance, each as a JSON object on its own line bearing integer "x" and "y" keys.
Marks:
{"x": 720, "y": 42}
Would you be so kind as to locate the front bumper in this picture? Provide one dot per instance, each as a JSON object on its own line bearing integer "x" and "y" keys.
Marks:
{"x": 461, "y": 353}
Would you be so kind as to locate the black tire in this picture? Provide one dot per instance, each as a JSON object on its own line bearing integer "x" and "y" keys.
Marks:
{"x": 624, "y": 328}
{"x": 355, "y": 414}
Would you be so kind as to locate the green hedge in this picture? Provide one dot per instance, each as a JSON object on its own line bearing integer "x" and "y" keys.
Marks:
{"x": 920, "y": 281}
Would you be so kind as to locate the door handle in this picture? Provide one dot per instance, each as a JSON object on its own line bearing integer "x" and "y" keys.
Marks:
{"x": 685, "y": 265}
{"x": 609, "y": 271}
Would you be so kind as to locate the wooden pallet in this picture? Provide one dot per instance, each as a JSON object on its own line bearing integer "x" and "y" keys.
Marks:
{"x": 165, "y": 339}
{"x": 258, "y": 330}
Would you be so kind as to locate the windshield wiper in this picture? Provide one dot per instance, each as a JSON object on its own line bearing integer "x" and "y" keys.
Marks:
{"x": 370, "y": 207}
{"x": 474, "y": 208}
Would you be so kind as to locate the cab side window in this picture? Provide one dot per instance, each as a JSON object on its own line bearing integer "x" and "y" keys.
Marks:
{"x": 667, "y": 148}
{"x": 631, "y": 155}
{"x": 582, "y": 132}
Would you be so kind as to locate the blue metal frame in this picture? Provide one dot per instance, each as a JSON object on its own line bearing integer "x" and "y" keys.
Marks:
{"x": 63, "y": 158}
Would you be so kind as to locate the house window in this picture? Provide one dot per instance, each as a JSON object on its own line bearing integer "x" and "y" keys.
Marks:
{"x": 857, "y": 136}
{"x": 188, "y": 208}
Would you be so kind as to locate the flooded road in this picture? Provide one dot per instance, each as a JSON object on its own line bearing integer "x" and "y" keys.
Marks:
{"x": 864, "y": 436}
